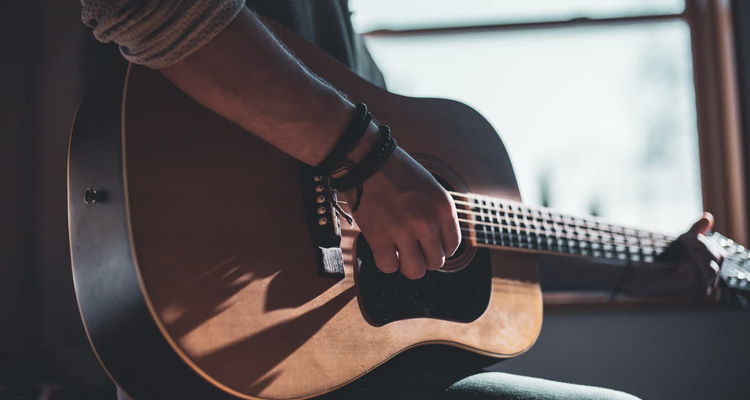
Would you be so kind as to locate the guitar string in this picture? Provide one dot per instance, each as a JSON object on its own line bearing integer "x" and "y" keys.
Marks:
{"x": 602, "y": 253}
{"x": 552, "y": 214}
{"x": 555, "y": 230}
{"x": 552, "y": 220}
{"x": 621, "y": 231}
{"x": 581, "y": 230}
{"x": 505, "y": 204}
{"x": 510, "y": 212}
{"x": 551, "y": 236}
{"x": 533, "y": 227}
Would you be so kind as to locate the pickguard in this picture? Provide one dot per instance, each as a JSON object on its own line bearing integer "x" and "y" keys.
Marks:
{"x": 461, "y": 295}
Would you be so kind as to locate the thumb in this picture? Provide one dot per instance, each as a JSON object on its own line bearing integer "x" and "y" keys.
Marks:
{"x": 704, "y": 225}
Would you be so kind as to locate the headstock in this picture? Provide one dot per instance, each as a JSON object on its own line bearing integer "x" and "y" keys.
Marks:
{"x": 734, "y": 275}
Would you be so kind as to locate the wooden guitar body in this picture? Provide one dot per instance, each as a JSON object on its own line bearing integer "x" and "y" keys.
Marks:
{"x": 193, "y": 261}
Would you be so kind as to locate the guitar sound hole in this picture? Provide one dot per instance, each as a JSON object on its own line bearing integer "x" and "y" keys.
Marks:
{"x": 462, "y": 295}
{"x": 465, "y": 252}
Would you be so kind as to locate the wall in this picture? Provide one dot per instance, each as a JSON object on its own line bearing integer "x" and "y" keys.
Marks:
{"x": 667, "y": 354}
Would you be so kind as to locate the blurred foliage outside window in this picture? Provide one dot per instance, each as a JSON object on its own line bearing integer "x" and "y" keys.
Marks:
{"x": 597, "y": 119}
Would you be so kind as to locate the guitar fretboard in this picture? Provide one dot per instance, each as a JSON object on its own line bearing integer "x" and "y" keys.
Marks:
{"x": 499, "y": 223}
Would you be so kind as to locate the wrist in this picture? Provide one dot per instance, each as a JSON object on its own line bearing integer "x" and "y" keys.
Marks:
{"x": 356, "y": 173}
{"x": 368, "y": 141}
{"x": 326, "y": 131}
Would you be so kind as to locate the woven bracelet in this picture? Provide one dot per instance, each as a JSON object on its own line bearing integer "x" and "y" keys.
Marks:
{"x": 348, "y": 140}
{"x": 373, "y": 160}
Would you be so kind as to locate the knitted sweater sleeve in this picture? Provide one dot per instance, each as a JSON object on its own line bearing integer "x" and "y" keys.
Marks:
{"x": 158, "y": 33}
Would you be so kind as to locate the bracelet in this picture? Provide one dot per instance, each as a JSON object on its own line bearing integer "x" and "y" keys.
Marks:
{"x": 348, "y": 140}
{"x": 357, "y": 174}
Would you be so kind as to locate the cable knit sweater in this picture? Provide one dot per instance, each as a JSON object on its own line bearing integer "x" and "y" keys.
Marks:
{"x": 158, "y": 33}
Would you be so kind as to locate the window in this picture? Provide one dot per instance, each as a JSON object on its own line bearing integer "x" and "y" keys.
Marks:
{"x": 594, "y": 100}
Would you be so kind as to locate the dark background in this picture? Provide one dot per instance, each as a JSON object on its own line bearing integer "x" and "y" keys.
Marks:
{"x": 48, "y": 58}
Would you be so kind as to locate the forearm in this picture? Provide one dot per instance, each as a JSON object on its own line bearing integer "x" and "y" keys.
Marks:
{"x": 248, "y": 77}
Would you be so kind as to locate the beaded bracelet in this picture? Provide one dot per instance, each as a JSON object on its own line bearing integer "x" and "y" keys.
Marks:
{"x": 358, "y": 173}
{"x": 348, "y": 140}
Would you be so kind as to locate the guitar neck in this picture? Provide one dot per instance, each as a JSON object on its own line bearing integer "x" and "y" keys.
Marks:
{"x": 510, "y": 225}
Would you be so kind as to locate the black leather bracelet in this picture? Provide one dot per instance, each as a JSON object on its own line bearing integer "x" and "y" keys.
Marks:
{"x": 348, "y": 140}
{"x": 373, "y": 160}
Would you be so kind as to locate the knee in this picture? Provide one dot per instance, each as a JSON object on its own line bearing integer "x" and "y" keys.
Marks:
{"x": 500, "y": 386}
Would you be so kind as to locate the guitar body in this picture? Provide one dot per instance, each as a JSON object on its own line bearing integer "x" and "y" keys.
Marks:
{"x": 196, "y": 272}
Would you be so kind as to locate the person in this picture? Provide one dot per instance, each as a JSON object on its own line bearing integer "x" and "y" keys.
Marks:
{"x": 221, "y": 54}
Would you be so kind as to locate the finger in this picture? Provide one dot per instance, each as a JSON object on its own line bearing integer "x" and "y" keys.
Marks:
{"x": 706, "y": 261}
{"x": 715, "y": 284}
{"x": 711, "y": 248}
{"x": 432, "y": 249}
{"x": 411, "y": 259}
{"x": 450, "y": 236}
{"x": 704, "y": 225}
{"x": 385, "y": 256}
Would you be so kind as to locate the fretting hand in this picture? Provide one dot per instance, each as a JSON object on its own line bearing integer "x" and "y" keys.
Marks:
{"x": 697, "y": 259}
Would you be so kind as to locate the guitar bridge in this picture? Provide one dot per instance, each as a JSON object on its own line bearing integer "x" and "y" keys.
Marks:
{"x": 323, "y": 222}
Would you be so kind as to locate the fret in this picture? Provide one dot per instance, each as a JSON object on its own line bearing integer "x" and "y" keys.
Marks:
{"x": 579, "y": 234}
{"x": 617, "y": 235}
{"x": 530, "y": 239}
{"x": 486, "y": 220}
{"x": 504, "y": 223}
{"x": 497, "y": 206}
{"x": 557, "y": 244}
{"x": 607, "y": 239}
{"x": 528, "y": 217}
{"x": 539, "y": 228}
{"x": 606, "y": 230}
{"x": 576, "y": 234}
{"x": 647, "y": 252}
{"x": 516, "y": 231}
{"x": 498, "y": 237}
{"x": 529, "y": 224}
{"x": 570, "y": 235}
{"x": 479, "y": 228}
{"x": 495, "y": 221}
{"x": 565, "y": 233}
{"x": 641, "y": 236}
{"x": 547, "y": 242}
{"x": 597, "y": 239}
{"x": 506, "y": 228}
{"x": 517, "y": 224}
{"x": 524, "y": 226}
{"x": 633, "y": 244}
{"x": 588, "y": 235}
{"x": 520, "y": 226}
{"x": 492, "y": 219}
{"x": 584, "y": 233}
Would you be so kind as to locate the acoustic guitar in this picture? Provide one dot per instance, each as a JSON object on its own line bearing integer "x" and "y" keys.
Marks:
{"x": 208, "y": 264}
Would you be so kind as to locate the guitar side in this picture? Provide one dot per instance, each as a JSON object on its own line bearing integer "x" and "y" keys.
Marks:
{"x": 198, "y": 259}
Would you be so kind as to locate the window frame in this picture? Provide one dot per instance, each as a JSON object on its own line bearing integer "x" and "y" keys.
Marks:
{"x": 717, "y": 107}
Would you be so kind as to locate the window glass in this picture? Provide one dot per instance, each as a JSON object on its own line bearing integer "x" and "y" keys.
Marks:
{"x": 369, "y": 15}
{"x": 597, "y": 120}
